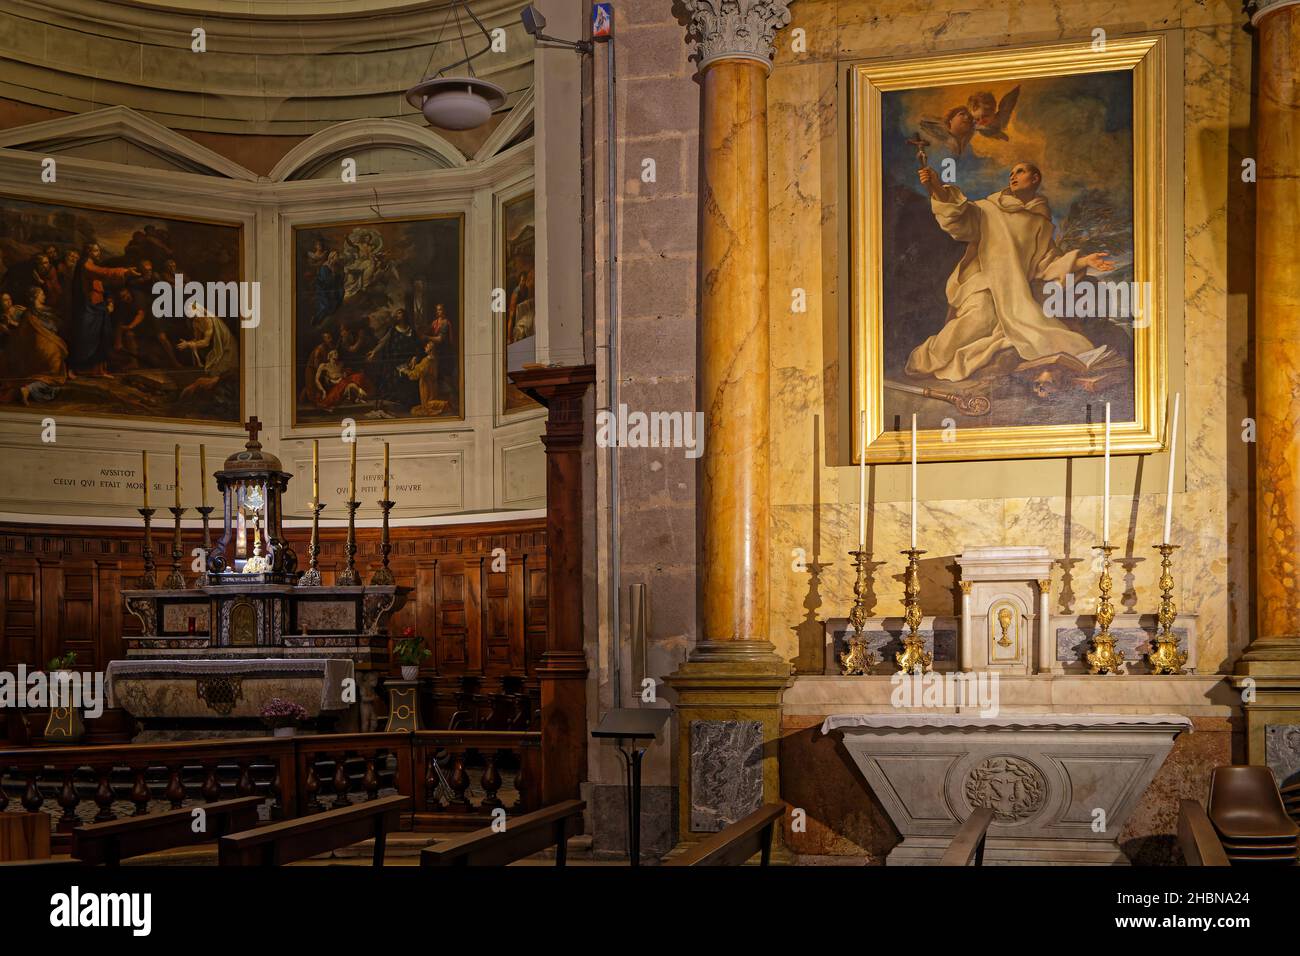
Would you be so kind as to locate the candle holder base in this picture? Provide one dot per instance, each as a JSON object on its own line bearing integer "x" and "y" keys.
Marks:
{"x": 1166, "y": 658}
{"x": 913, "y": 656}
{"x": 149, "y": 580}
{"x": 857, "y": 659}
{"x": 203, "y": 580}
{"x": 311, "y": 577}
{"x": 1104, "y": 658}
{"x": 175, "y": 581}
{"x": 348, "y": 577}
{"x": 382, "y": 575}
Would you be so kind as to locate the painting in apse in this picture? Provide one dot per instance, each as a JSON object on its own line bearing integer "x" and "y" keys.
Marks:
{"x": 519, "y": 272}
{"x": 80, "y": 330}
{"x": 379, "y": 320}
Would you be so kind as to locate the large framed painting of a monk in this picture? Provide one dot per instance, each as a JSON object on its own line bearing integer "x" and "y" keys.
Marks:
{"x": 84, "y": 331}
{"x": 518, "y": 270}
{"x": 1008, "y": 237}
{"x": 378, "y": 324}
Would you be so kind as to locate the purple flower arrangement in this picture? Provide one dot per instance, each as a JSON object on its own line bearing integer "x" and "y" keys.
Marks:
{"x": 278, "y": 712}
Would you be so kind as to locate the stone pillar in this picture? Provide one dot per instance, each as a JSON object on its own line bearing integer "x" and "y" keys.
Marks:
{"x": 1273, "y": 660}
{"x": 729, "y": 688}
{"x": 563, "y": 670}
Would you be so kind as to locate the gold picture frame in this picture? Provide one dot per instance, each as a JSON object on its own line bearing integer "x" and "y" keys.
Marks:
{"x": 1144, "y": 58}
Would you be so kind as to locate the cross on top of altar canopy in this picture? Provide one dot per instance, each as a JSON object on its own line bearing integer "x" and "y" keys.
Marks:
{"x": 253, "y": 427}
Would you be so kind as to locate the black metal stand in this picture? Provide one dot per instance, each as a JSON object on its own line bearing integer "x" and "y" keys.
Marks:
{"x": 632, "y": 780}
{"x": 627, "y": 725}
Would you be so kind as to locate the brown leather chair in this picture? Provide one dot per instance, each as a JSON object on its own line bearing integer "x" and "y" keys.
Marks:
{"x": 1248, "y": 813}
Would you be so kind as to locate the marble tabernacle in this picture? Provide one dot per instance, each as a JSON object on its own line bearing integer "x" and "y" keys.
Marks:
{"x": 252, "y": 626}
{"x": 1061, "y": 786}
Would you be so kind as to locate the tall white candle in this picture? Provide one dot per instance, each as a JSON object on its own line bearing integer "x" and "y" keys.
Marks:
{"x": 1173, "y": 462}
{"x": 1105, "y": 496}
{"x": 914, "y": 482}
{"x": 862, "y": 481}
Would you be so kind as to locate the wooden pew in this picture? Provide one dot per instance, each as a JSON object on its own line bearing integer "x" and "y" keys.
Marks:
{"x": 304, "y": 837}
{"x": 969, "y": 841}
{"x": 737, "y": 843}
{"x": 523, "y": 836}
{"x": 110, "y": 843}
{"x": 1197, "y": 837}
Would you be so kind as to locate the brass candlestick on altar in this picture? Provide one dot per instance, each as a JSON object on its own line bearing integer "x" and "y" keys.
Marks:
{"x": 381, "y": 574}
{"x": 1166, "y": 658}
{"x": 349, "y": 577}
{"x": 311, "y": 577}
{"x": 147, "y": 581}
{"x": 176, "y": 581}
{"x": 202, "y": 580}
{"x": 1104, "y": 658}
{"x": 857, "y": 658}
{"x": 913, "y": 654}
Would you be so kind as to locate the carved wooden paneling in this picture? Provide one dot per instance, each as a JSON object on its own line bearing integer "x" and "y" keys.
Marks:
{"x": 60, "y": 590}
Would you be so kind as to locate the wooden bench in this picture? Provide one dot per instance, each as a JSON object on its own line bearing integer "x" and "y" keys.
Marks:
{"x": 279, "y": 843}
{"x": 523, "y": 836}
{"x": 1197, "y": 837}
{"x": 737, "y": 843}
{"x": 110, "y": 843}
{"x": 968, "y": 844}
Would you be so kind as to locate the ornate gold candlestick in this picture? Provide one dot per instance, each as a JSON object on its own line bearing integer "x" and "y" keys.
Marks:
{"x": 311, "y": 577}
{"x": 857, "y": 657}
{"x": 176, "y": 580}
{"x": 147, "y": 581}
{"x": 381, "y": 574}
{"x": 349, "y": 577}
{"x": 913, "y": 654}
{"x": 1103, "y": 658}
{"x": 202, "y": 580}
{"x": 1166, "y": 658}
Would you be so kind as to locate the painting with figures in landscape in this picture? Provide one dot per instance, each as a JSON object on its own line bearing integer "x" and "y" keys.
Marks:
{"x": 1009, "y": 283}
{"x": 519, "y": 272}
{"x": 79, "y": 332}
{"x": 378, "y": 320}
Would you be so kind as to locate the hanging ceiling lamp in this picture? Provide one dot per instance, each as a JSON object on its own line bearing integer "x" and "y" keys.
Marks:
{"x": 458, "y": 102}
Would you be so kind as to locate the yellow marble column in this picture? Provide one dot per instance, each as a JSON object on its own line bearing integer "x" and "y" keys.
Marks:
{"x": 1271, "y": 667}
{"x": 729, "y": 689}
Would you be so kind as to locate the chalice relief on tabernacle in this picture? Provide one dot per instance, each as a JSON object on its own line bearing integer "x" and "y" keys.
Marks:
{"x": 1001, "y": 290}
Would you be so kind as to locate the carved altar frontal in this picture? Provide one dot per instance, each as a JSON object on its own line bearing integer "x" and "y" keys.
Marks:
{"x": 1061, "y": 786}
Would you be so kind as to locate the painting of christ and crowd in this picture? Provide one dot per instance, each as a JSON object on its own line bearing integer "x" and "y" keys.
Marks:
{"x": 378, "y": 321}
{"x": 79, "y": 333}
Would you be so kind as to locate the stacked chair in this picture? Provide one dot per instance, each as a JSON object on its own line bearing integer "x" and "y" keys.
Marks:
{"x": 1250, "y": 818}
{"x": 1291, "y": 800}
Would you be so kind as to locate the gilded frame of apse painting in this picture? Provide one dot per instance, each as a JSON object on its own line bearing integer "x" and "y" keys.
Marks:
{"x": 1008, "y": 242}
{"x": 379, "y": 320}
{"x": 516, "y": 271}
{"x": 95, "y": 345}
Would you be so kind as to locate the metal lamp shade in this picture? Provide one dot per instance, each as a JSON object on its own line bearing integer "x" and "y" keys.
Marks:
{"x": 456, "y": 102}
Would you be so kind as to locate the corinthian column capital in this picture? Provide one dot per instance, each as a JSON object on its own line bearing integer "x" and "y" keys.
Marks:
{"x": 1261, "y": 7}
{"x": 736, "y": 29}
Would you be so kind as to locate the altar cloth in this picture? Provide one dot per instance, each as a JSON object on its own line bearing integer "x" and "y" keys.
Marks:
{"x": 226, "y": 687}
{"x": 1007, "y": 721}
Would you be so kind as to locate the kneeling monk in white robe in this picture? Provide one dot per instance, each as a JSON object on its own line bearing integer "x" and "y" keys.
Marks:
{"x": 992, "y": 305}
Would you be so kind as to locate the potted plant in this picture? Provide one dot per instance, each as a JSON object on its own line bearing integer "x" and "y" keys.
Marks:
{"x": 64, "y": 725}
{"x": 283, "y": 716}
{"x": 410, "y": 652}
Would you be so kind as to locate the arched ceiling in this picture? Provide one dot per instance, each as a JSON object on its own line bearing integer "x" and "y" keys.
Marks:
{"x": 271, "y": 68}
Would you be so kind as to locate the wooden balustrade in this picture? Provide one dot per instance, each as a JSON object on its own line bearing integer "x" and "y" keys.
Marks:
{"x": 447, "y": 763}
{"x": 296, "y": 775}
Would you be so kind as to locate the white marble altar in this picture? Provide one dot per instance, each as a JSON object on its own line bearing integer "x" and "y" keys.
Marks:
{"x": 1061, "y": 786}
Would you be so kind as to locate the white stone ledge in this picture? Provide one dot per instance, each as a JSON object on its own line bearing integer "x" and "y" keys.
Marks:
{"x": 1189, "y": 695}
